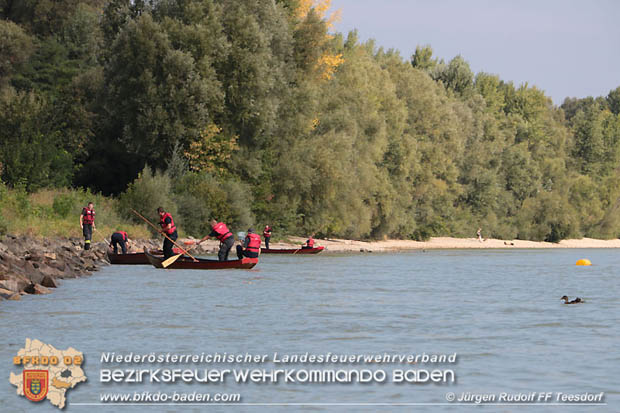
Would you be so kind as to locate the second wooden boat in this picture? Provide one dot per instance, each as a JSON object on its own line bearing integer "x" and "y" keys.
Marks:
{"x": 314, "y": 250}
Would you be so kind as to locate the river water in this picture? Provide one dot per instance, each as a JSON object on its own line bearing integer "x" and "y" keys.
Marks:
{"x": 498, "y": 310}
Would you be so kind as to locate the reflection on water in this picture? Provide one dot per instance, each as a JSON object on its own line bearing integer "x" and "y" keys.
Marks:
{"x": 500, "y": 311}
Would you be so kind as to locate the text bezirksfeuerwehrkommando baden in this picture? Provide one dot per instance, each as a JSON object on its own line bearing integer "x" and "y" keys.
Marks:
{"x": 325, "y": 358}
{"x": 217, "y": 374}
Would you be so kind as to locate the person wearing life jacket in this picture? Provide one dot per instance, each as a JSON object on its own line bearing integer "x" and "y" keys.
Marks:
{"x": 220, "y": 231}
{"x": 251, "y": 245}
{"x": 120, "y": 238}
{"x": 87, "y": 222}
{"x": 169, "y": 229}
{"x": 267, "y": 235}
{"x": 309, "y": 242}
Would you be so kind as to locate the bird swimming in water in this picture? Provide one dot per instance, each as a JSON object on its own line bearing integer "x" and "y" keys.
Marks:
{"x": 577, "y": 300}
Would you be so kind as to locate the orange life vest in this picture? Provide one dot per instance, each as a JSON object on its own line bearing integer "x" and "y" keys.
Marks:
{"x": 163, "y": 224}
{"x": 267, "y": 232}
{"x": 89, "y": 216}
{"x": 254, "y": 244}
{"x": 310, "y": 242}
{"x": 222, "y": 231}
{"x": 124, "y": 234}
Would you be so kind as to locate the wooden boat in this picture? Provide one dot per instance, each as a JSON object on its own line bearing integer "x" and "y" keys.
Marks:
{"x": 314, "y": 250}
{"x": 135, "y": 258}
{"x": 186, "y": 263}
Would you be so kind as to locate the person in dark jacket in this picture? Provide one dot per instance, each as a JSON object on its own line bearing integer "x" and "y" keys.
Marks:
{"x": 120, "y": 238}
{"x": 168, "y": 228}
{"x": 251, "y": 245}
{"x": 309, "y": 242}
{"x": 267, "y": 235}
{"x": 220, "y": 231}
{"x": 87, "y": 223}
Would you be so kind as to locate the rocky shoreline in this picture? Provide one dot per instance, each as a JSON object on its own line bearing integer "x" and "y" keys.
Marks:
{"x": 31, "y": 265}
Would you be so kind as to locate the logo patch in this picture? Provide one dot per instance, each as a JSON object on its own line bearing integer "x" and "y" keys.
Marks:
{"x": 36, "y": 384}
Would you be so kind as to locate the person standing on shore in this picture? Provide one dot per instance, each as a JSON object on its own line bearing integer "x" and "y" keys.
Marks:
{"x": 267, "y": 235}
{"x": 87, "y": 223}
{"x": 168, "y": 228}
{"x": 251, "y": 245}
{"x": 479, "y": 234}
{"x": 120, "y": 238}
{"x": 220, "y": 231}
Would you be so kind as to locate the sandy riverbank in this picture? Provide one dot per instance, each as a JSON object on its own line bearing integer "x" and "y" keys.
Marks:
{"x": 342, "y": 245}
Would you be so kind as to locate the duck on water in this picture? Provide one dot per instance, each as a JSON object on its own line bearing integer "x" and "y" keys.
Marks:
{"x": 577, "y": 300}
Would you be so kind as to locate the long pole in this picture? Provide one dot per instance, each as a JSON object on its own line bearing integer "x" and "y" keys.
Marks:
{"x": 164, "y": 234}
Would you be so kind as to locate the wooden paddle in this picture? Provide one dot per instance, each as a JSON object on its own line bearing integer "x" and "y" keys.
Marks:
{"x": 172, "y": 259}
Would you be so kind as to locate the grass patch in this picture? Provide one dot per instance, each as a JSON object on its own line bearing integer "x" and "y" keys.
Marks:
{"x": 56, "y": 213}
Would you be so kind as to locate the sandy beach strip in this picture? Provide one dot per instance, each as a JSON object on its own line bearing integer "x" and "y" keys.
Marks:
{"x": 343, "y": 245}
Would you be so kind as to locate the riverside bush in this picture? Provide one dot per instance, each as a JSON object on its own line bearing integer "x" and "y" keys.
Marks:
{"x": 63, "y": 204}
{"x": 145, "y": 194}
{"x": 4, "y": 228}
{"x": 201, "y": 197}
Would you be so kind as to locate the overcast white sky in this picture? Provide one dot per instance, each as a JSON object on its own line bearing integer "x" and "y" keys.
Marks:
{"x": 564, "y": 47}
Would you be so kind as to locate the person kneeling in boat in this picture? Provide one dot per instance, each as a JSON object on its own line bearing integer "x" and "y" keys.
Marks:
{"x": 309, "y": 242}
{"x": 120, "y": 238}
{"x": 251, "y": 245}
{"x": 221, "y": 232}
{"x": 169, "y": 230}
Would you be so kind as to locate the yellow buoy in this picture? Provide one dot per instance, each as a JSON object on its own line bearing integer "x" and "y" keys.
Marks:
{"x": 583, "y": 261}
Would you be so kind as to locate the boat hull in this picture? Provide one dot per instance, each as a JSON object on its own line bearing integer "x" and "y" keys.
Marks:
{"x": 315, "y": 250}
{"x": 134, "y": 258}
{"x": 186, "y": 263}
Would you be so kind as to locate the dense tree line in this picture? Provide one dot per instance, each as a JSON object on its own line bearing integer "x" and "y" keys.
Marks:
{"x": 253, "y": 112}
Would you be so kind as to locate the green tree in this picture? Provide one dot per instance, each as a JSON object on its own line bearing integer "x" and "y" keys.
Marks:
{"x": 423, "y": 59}
{"x": 30, "y": 153}
{"x": 155, "y": 97}
{"x": 456, "y": 76}
{"x": 149, "y": 191}
{"x": 613, "y": 100}
{"x": 15, "y": 49}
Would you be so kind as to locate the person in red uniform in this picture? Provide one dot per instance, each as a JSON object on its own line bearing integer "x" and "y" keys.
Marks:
{"x": 168, "y": 228}
{"x": 251, "y": 245}
{"x": 220, "y": 231}
{"x": 309, "y": 242}
{"x": 267, "y": 235}
{"x": 87, "y": 222}
{"x": 120, "y": 238}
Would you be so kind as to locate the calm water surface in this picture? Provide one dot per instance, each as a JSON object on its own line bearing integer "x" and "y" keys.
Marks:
{"x": 499, "y": 310}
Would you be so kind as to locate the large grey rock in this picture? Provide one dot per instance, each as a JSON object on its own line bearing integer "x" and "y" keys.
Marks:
{"x": 50, "y": 255}
{"x": 10, "y": 260}
{"x": 39, "y": 289}
{"x": 59, "y": 264}
{"x": 48, "y": 270}
{"x": 16, "y": 284}
{"x": 4, "y": 293}
{"x": 49, "y": 282}
{"x": 35, "y": 277}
